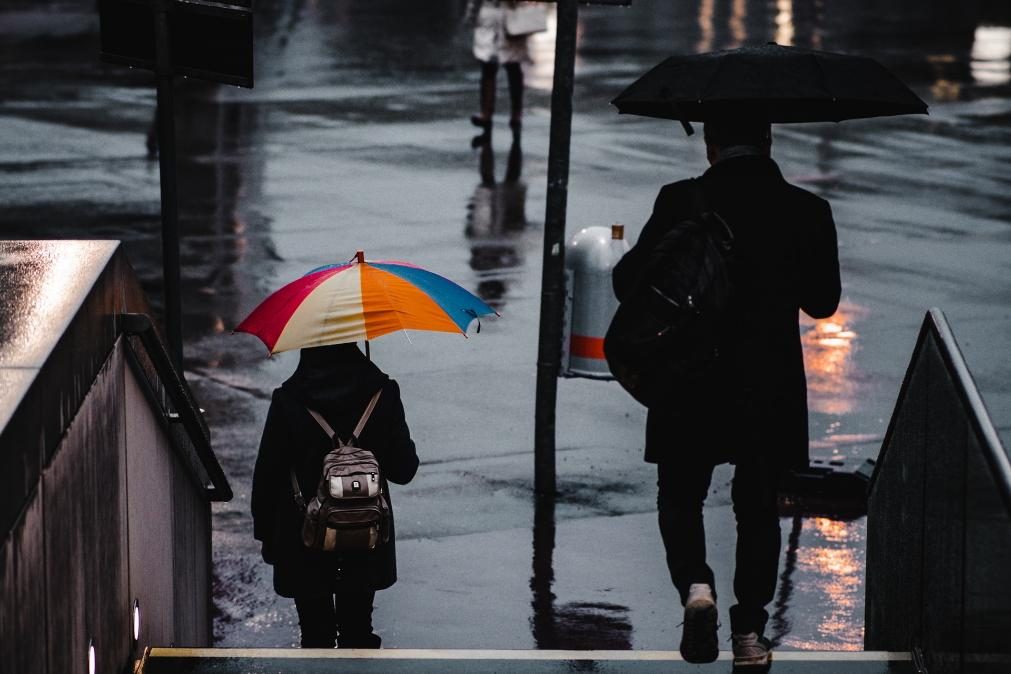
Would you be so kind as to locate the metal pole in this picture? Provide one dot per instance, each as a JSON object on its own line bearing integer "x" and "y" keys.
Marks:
{"x": 553, "y": 275}
{"x": 167, "y": 168}
{"x": 543, "y": 601}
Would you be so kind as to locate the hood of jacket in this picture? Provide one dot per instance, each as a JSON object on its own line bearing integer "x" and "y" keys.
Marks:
{"x": 334, "y": 377}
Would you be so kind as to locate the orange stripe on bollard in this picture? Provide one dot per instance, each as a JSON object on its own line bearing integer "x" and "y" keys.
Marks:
{"x": 587, "y": 347}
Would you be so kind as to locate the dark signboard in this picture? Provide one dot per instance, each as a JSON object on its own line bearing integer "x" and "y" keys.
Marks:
{"x": 208, "y": 40}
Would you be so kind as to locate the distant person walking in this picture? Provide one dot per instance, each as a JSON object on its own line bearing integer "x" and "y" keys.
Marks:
{"x": 333, "y": 591}
{"x": 752, "y": 409}
{"x": 495, "y": 45}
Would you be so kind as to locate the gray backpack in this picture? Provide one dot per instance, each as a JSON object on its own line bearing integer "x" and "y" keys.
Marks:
{"x": 350, "y": 510}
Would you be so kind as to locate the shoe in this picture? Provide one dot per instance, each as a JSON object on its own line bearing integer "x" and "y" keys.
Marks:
{"x": 699, "y": 642}
{"x": 480, "y": 122}
{"x": 751, "y": 650}
{"x": 480, "y": 139}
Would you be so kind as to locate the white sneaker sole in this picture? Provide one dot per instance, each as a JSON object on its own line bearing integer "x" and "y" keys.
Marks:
{"x": 753, "y": 660}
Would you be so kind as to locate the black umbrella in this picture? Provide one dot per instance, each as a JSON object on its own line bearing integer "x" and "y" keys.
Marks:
{"x": 784, "y": 84}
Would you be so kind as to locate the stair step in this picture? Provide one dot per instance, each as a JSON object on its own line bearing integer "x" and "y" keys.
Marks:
{"x": 460, "y": 661}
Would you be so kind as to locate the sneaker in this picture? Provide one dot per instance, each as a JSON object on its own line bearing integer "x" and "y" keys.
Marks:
{"x": 699, "y": 642}
{"x": 751, "y": 650}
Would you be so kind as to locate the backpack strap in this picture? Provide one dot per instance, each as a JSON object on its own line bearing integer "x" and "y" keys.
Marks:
{"x": 365, "y": 417}
{"x": 330, "y": 432}
{"x": 296, "y": 491}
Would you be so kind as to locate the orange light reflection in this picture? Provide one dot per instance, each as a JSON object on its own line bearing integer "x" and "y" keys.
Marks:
{"x": 738, "y": 16}
{"x": 835, "y": 572}
{"x": 829, "y": 344}
{"x": 705, "y": 26}
{"x": 784, "y": 22}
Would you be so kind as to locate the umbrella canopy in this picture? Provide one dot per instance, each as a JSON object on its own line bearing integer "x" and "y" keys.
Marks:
{"x": 785, "y": 84}
{"x": 360, "y": 301}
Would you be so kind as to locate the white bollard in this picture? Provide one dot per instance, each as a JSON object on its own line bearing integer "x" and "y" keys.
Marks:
{"x": 590, "y": 303}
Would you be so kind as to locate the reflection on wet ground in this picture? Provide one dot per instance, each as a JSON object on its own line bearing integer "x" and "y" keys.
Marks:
{"x": 572, "y": 625}
{"x": 496, "y": 215}
{"x": 357, "y": 134}
{"x": 829, "y": 349}
{"x": 825, "y": 553}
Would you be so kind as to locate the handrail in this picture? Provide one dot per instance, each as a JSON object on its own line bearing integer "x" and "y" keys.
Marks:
{"x": 993, "y": 448}
{"x": 936, "y": 326}
{"x": 140, "y": 326}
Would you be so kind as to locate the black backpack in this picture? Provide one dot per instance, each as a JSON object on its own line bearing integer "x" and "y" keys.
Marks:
{"x": 663, "y": 340}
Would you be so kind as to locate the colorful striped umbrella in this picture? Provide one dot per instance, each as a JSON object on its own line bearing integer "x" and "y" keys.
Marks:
{"x": 359, "y": 301}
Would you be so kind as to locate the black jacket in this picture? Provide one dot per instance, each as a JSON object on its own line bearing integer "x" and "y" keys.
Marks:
{"x": 785, "y": 259}
{"x": 337, "y": 382}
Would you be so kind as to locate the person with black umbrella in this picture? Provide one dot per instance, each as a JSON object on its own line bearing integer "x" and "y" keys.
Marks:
{"x": 752, "y": 409}
{"x": 747, "y": 403}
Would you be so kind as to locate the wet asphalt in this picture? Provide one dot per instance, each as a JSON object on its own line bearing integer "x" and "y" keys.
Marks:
{"x": 356, "y": 137}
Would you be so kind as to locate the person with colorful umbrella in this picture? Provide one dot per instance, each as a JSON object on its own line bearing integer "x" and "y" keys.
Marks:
{"x": 325, "y": 313}
{"x": 750, "y": 406}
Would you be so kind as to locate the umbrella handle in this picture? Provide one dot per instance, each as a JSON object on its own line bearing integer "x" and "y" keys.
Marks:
{"x": 685, "y": 124}
{"x": 368, "y": 351}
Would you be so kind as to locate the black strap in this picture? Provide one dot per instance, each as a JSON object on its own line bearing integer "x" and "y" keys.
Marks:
{"x": 296, "y": 490}
{"x": 700, "y": 207}
{"x": 353, "y": 440}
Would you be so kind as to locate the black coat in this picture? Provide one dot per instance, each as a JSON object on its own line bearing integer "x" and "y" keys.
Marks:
{"x": 337, "y": 382}
{"x": 786, "y": 259}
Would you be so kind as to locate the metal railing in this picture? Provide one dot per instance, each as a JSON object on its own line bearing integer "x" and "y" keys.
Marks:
{"x": 939, "y": 519}
{"x": 181, "y": 408}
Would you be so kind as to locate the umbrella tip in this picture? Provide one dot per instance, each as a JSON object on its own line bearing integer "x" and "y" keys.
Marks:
{"x": 360, "y": 256}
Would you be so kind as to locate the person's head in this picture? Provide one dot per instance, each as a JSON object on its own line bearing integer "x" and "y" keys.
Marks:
{"x": 730, "y": 131}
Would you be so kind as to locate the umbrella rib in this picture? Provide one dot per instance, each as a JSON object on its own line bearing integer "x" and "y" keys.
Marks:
{"x": 824, "y": 81}
{"x": 712, "y": 78}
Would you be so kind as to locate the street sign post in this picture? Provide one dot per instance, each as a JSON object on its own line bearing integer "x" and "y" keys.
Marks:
{"x": 206, "y": 40}
{"x": 549, "y": 348}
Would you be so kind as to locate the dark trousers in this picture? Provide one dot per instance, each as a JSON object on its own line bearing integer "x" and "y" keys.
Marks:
{"x": 344, "y": 619}
{"x": 683, "y": 486}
